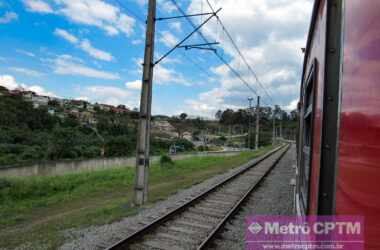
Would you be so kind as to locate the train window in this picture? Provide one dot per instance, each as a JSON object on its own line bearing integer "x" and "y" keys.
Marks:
{"x": 307, "y": 134}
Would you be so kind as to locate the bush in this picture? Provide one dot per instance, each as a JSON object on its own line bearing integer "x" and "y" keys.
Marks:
{"x": 4, "y": 183}
{"x": 203, "y": 148}
{"x": 166, "y": 160}
{"x": 185, "y": 144}
{"x": 91, "y": 152}
{"x": 8, "y": 159}
{"x": 32, "y": 153}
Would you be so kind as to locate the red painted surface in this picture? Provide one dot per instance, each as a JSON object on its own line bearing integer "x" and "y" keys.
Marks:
{"x": 317, "y": 51}
{"x": 358, "y": 182}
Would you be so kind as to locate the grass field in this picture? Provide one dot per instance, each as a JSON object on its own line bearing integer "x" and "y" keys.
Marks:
{"x": 35, "y": 210}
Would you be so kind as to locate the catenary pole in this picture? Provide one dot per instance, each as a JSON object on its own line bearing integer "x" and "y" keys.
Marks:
{"x": 274, "y": 128}
{"x": 257, "y": 123}
{"x": 250, "y": 122}
{"x": 143, "y": 139}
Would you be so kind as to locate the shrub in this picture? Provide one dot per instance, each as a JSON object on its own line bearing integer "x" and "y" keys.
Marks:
{"x": 4, "y": 183}
{"x": 32, "y": 153}
{"x": 203, "y": 148}
{"x": 185, "y": 144}
{"x": 166, "y": 160}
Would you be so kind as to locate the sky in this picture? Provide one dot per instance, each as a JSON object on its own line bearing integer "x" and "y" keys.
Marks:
{"x": 93, "y": 50}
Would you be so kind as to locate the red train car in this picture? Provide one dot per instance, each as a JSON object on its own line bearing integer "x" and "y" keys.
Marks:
{"x": 338, "y": 170}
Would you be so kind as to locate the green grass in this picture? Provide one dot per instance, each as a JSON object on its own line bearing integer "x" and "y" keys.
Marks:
{"x": 37, "y": 209}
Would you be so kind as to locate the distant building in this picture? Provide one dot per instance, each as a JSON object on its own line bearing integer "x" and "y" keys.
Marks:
{"x": 3, "y": 91}
{"x": 39, "y": 101}
{"x": 119, "y": 110}
{"x": 87, "y": 117}
{"x": 164, "y": 127}
{"x": 79, "y": 104}
{"x": 90, "y": 107}
{"x": 105, "y": 107}
{"x": 51, "y": 111}
{"x": 28, "y": 95}
{"x": 187, "y": 136}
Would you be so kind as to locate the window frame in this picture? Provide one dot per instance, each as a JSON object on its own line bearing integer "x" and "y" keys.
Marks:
{"x": 308, "y": 114}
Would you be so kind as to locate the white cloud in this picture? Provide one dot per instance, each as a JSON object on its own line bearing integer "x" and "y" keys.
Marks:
{"x": 98, "y": 13}
{"x": 125, "y": 24}
{"x": 26, "y": 71}
{"x": 141, "y": 2}
{"x": 177, "y": 26}
{"x": 26, "y": 53}
{"x": 137, "y": 42}
{"x": 67, "y": 65}
{"x": 82, "y": 98}
{"x": 168, "y": 39}
{"x": 38, "y": 6}
{"x": 85, "y": 45}
{"x": 163, "y": 75}
{"x": 270, "y": 35}
{"x": 66, "y": 35}
{"x": 292, "y": 105}
{"x": 10, "y": 83}
{"x": 166, "y": 6}
{"x": 96, "y": 53}
{"x": 134, "y": 85}
{"x": 8, "y": 17}
{"x": 110, "y": 95}
{"x": 40, "y": 90}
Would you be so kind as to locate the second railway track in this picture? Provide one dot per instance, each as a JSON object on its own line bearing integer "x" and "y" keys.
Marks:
{"x": 194, "y": 224}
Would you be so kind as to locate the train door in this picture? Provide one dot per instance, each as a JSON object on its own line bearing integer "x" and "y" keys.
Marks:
{"x": 307, "y": 117}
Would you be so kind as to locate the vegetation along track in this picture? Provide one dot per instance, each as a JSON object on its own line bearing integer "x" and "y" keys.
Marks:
{"x": 194, "y": 224}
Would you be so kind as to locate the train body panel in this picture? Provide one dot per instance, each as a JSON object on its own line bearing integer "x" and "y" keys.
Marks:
{"x": 341, "y": 178}
{"x": 358, "y": 178}
{"x": 316, "y": 63}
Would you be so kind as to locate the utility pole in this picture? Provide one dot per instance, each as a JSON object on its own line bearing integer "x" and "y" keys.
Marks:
{"x": 250, "y": 123}
{"x": 143, "y": 139}
{"x": 274, "y": 128}
{"x": 257, "y": 123}
{"x": 281, "y": 125}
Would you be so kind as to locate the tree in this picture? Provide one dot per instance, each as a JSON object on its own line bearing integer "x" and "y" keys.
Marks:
{"x": 218, "y": 115}
{"x": 227, "y": 117}
{"x": 183, "y": 116}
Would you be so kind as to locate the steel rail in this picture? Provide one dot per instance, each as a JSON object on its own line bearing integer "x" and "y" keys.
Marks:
{"x": 134, "y": 237}
{"x": 235, "y": 209}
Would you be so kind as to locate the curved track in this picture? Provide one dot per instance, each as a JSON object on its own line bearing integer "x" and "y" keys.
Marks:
{"x": 194, "y": 224}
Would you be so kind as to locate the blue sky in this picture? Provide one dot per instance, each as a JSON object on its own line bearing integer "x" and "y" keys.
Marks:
{"x": 93, "y": 49}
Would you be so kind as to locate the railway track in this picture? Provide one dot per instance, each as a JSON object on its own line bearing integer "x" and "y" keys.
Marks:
{"x": 194, "y": 224}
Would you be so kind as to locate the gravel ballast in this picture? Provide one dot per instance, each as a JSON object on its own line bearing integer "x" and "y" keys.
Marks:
{"x": 274, "y": 196}
{"x": 99, "y": 237}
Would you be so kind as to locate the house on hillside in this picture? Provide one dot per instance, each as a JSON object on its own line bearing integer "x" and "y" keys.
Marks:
{"x": 90, "y": 107}
{"x": 164, "y": 127}
{"x": 187, "y": 136}
{"x": 74, "y": 112}
{"x": 28, "y": 95}
{"x": 119, "y": 110}
{"x": 39, "y": 100}
{"x": 3, "y": 91}
{"x": 79, "y": 104}
{"x": 51, "y": 111}
{"x": 86, "y": 117}
{"x": 105, "y": 107}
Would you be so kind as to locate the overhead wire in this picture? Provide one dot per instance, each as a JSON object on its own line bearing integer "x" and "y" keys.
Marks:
{"x": 191, "y": 60}
{"x": 241, "y": 54}
{"x": 235, "y": 72}
{"x": 143, "y": 21}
